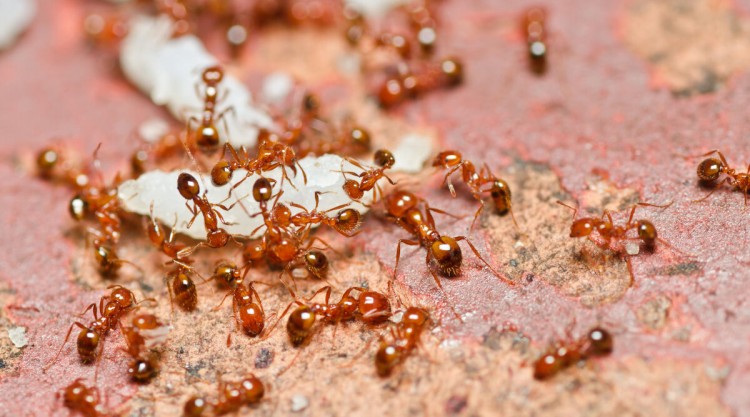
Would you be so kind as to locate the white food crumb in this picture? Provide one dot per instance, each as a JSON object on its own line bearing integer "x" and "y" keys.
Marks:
{"x": 169, "y": 70}
{"x": 18, "y": 336}
{"x": 159, "y": 187}
{"x": 374, "y": 8}
{"x": 153, "y": 129}
{"x": 15, "y": 16}
{"x": 412, "y": 153}
{"x": 632, "y": 248}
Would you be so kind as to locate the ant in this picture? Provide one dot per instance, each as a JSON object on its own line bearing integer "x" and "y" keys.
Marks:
{"x": 181, "y": 288}
{"x": 208, "y": 135}
{"x": 534, "y": 31}
{"x": 371, "y": 307}
{"x": 711, "y": 169}
{"x": 369, "y": 177}
{"x": 232, "y": 396}
{"x": 78, "y": 397}
{"x": 452, "y": 161}
{"x": 247, "y": 306}
{"x": 413, "y": 80}
{"x": 405, "y": 337}
{"x": 401, "y": 206}
{"x": 118, "y": 302}
{"x": 216, "y": 237}
{"x": 345, "y": 222}
{"x": 146, "y": 332}
{"x": 598, "y": 342}
{"x": 612, "y": 236}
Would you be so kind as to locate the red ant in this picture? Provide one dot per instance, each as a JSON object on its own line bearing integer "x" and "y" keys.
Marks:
{"x": 413, "y": 80}
{"x": 371, "y": 307}
{"x": 208, "y": 135}
{"x": 369, "y": 177}
{"x": 405, "y": 338}
{"x": 345, "y": 222}
{"x": 247, "y": 306}
{"x": 118, "y": 302}
{"x": 598, "y": 342}
{"x": 232, "y": 397}
{"x": 78, "y": 397}
{"x": 146, "y": 332}
{"x": 499, "y": 190}
{"x": 181, "y": 288}
{"x": 401, "y": 206}
{"x": 216, "y": 237}
{"x": 534, "y": 31}
{"x": 611, "y": 236}
{"x": 711, "y": 169}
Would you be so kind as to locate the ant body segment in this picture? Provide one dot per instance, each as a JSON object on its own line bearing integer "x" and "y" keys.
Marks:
{"x": 369, "y": 177}
{"x": 405, "y": 337}
{"x": 146, "y": 332}
{"x": 231, "y": 397}
{"x": 80, "y": 398}
{"x": 208, "y": 135}
{"x": 598, "y": 342}
{"x": 710, "y": 170}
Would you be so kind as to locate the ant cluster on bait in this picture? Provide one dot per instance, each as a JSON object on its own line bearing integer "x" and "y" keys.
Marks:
{"x": 288, "y": 175}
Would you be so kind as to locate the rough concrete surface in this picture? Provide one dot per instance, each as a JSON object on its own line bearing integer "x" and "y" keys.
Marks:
{"x": 632, "y": 93}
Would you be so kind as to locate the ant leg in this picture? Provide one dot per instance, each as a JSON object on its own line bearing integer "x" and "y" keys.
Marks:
{"x": 304, "y": 174}
{"x": 630, "y": 271}
{"x": 440, "y": 287}
{"x": 443, "y": 212}
{"x": 67, "y": 336}
{"x": 451, "y": 188}
{"x": 222, "y": 302}
{"x": 194, "y": 211}
{"x": 389, "y": 179}
{"x": 476, "y": 252}
{"x": 398, "y": 252}
{"x": 727, "y": 180}
{"x": 575, "y": 209}
{"x": 476, "y": 215}
{"x": 92, "y": 305}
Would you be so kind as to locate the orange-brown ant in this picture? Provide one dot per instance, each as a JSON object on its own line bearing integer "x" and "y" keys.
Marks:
{"x": 534, "y": 32}
{"x": 208, "y": 140}
{"x": 598, "y": 342}
{"x": 146, "y": 332}
{"x": 405, "y": 337}
{"x": 612, "y": 236}
{"x": 368, "y": 178}
{"x": 216, "y": 237}
{"x": 710, "y": 170}
{"x": 111, "y": 307}
{"x": 181, "y": 287}
{"x": 247, "y": 306}
{"x": 346, "y": 221}
{"x": 402, "y": 207}
{"x": 499, "y": 190}
{"x": 231, "y": 397}
{"x": 412, "y": 80}
{"x": 80, "y": 398}
{"x": 371, "y": 307}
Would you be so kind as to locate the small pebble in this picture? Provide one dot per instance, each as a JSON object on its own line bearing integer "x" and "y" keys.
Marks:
{"x": 299, "y": 402}
{"x": 18, "y": 336}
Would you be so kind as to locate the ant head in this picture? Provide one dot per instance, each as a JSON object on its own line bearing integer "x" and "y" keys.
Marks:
{"x": 599, "y": 342}
{"x": 447, "y": 159}
{"x": 146, "y": 322}
{"x": 75, "y": 392}
{"x": 252, "y": 389}
{"x": 195, "y": 407}
{"x": 123, "y": 297}
{"x": 360, "y": 138}
{"x": 208, "y": 139}
{"x": 317, "y": 263}
{"x": 217, "y": 238}
{"x": 647, "y": 232}
{"x": 221, "y": 173}
{"x": 448, "y": 256}
{"x": 452, "y": 70}
{"x": 188, "y": 186}
{"x": 399, "y": 202}
{"x": 78, "y": 208}
{"x": 262, "y": 190}
{"x": 384, "y": 158}
{"x": 347, "y": 220}
{"x": 583, "y": 227}
{"x": 709, "y": 169}
{"x": 254, "y": 251}
{"x": 281, "y": 213}
{"x": 351, "y": 188}
{"x": 374, "y": 307}
{"x": 213, "y": 75}
{"x": 107, "y": 259}
{"x": 392, "y": 92}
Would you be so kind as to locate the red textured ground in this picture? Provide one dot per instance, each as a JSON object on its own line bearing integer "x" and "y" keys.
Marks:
{"x": 601, "y": 121}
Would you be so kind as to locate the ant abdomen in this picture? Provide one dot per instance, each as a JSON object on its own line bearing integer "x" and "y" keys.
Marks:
{"x": 251, "y": 319}
{"x": 87, "y": 343}
{"x": 373, "y": 307}
{"x": 447, "y": 256}
{"x": 500, "y": 193}
{"x": 300, "y": 324}
{"x": 142, "y": 370}
{"x": 188, "y": 186}
{"x": 221, "y": 173}
{"x": 710, "y": 169}
{"x": 387, "y": 357}
{"x": 647, "y": 232}
{"x": 317, "y": 263}
{"x": 600, "y": 342}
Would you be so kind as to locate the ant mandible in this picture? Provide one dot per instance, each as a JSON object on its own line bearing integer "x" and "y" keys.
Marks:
{"x": 208, "y": 135}
{"x": 598, "y": 342}
{"x": 710, "y": 169}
